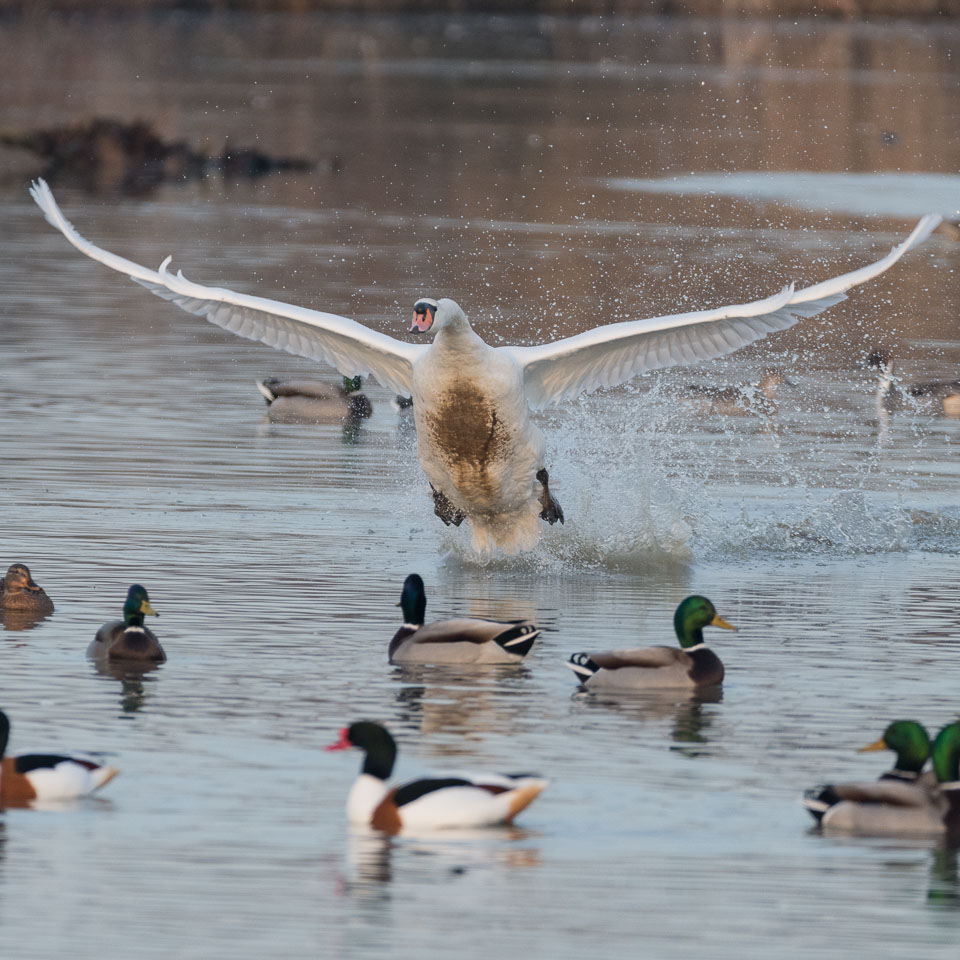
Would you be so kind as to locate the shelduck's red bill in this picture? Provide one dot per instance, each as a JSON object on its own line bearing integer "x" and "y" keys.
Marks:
{"x": 343, "y": 743}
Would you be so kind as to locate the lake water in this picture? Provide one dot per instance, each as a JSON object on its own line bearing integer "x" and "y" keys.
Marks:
{"x": 482, "y": 159}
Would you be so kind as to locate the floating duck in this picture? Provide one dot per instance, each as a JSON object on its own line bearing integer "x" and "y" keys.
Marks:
{"x": 129, "y": 639}
{"x": 760, "y": 399}
{"x": 941, "y": 395}
{"x": 477, "y": 442}
{"x": 46, "y": 776}
{"x": 911, "y": 743}
{"x": 436, "y": 803}
{"x": 694, "y": 665}
{"x": 467, "y": 640}
{"x": 902, "y": 801}
{"x": 312, "y": 401}
{"x": 19, "y": 593}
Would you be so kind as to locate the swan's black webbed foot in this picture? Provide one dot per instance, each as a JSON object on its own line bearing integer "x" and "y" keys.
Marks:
{"x": 445, "y": 510}
{"x": 552, "y": 511}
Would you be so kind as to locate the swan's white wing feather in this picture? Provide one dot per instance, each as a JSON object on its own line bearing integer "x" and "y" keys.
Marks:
{"x": 606, "y": 356}
{"x": 345, "y": 344}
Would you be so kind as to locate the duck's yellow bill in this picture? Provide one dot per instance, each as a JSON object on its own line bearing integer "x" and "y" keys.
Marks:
{"x": 718, "y": 621}
{"x": 146, "y": 608}
{"x": 876, "y": 745}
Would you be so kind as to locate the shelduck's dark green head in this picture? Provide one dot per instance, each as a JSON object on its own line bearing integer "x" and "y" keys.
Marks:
{"x": 909, "y": 740}
{"x": 946, "y": 754}
{"x": 413, "y": 600}
{"x": 692, "y": 616}
{"x": 137, "y": 604}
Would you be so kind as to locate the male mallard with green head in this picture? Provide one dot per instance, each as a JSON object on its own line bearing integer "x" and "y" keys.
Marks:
{"x": 129, "y": 639}
{"x": 901, "y": 802}
{"x": 693, "y": 664}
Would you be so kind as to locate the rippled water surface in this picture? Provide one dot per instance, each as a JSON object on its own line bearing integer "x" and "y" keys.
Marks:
{"x": 478, "y": 159}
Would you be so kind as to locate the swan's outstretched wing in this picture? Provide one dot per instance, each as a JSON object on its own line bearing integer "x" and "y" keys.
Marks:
{"x": 345, "y": 344}
{"x": 606, "y": 356}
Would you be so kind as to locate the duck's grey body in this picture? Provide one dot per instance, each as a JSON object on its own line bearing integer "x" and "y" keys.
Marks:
{"x": 466, "y": 640}
{"x": 650, "y": 668}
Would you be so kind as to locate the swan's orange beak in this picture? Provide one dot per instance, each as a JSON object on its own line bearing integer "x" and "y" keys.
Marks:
{"x": 422, "y": 322}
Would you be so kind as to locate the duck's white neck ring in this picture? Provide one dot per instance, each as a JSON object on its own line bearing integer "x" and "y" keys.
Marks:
{"x": 696, "y": 646}
{"x": 412, "y": 626}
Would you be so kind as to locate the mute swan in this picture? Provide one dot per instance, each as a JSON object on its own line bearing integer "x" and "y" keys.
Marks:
{"x": 477, "y": 443}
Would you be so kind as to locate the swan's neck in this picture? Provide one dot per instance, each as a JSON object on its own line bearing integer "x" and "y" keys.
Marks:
{"x": 458, "y": 336}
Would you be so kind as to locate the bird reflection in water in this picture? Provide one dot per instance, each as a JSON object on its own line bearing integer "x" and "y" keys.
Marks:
{"x": 690, "y": 721}
{"x": 944, "y": 889}
{"x": 374, "y": 860}
{"x": 132, "y": 677}
{"x": 19, "y": 620}
{"x": 440, "y": 699}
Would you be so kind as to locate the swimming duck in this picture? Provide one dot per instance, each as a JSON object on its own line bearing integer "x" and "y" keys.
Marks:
{"x": 892, "y": 394}
{"x": 902, "y": 801}
{"x": 46, "y": 776}
{"x": 129, "y": 639}
{"x": 477, "y": 442}
{"x": 312, "y": 401}
{"x": 467, "y": 640}
{"x": 435, "y": 803}
{"x": 20, "y": 593}
{"x": 694, "y": 665}
{"x": 759, "y": 399}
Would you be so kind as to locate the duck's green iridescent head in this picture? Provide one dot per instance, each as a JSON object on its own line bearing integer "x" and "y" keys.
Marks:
{"x": 136, "y": 605}
{"x": 946, "y": 754}
{"x": 909, "y": 740}
{"x": 692, "y": 616}
{"x": 352, "y": 384}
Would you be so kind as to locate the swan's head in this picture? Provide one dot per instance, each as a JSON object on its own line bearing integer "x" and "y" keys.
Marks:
{"x": 429, "y": 314}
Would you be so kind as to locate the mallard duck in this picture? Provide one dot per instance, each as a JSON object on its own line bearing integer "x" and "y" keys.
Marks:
{"x": 435, "y": 803}
{"x": 760, "y": 399}
{"x": 695, "y": 665}
{"x": 902, "y": 801}
{"x": 19, "y": 592}
{"x": 466, "y": 640}
{"x": 482, "y": 452}
{"x": 312, "y": 401}
{"x": 46, "y": 776}
{"x": 927, "y": 396}
{"x": 946, "y": 765}
{"x": 129, "y": 639}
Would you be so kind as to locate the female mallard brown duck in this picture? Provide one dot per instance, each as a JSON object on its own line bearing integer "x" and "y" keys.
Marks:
{"x": 902, "y": 801}
{"x": 19, "y": 593}
{"x": 312, "y": 401}
{"x": 693, "y": 664}
{"x": 129, "y": 639}
{"x": 466, "y": 640}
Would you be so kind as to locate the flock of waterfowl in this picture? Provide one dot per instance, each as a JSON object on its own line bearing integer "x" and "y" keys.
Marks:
{"x": 485, "y": 461}
{"x": 904, "y": 801}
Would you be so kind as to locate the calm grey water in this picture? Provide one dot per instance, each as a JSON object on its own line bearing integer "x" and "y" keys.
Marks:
{"x": 480, "y": 159}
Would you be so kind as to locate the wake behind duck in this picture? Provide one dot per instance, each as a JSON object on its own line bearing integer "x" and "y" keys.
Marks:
{"x": 477, "y": 442}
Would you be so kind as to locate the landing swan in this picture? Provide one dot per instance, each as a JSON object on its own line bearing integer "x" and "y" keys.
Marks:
{"x": 477, "y": 443}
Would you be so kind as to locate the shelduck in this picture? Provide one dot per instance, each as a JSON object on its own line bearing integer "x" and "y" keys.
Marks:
{"x": 435, "y": 803}
{"x": 46, "y": 776}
